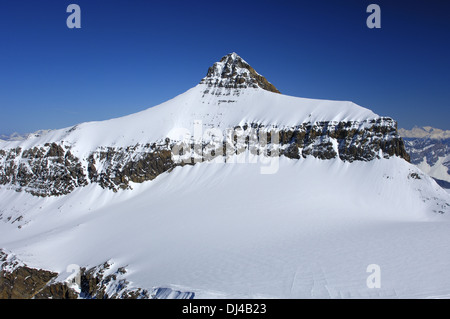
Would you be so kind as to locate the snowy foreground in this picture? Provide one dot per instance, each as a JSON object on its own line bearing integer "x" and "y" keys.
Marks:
{"x": 227, "y": 231}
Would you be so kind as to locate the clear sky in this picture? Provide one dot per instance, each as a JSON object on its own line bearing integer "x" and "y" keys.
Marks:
{"x": 133, "y": 54}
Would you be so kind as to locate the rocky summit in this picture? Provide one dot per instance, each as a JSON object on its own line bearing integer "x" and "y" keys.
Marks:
{"x": 232, "y": 72}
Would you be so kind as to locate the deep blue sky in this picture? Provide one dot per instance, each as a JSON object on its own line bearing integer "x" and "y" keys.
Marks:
{"x": 133, "y": 54}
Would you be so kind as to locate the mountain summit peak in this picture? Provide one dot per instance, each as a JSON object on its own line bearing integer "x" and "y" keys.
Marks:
{"x": 233, "y": 72}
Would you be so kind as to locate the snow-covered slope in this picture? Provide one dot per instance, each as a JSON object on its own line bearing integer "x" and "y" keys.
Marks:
{"x": 125, "y": 193}
{"x": 222, "y": 230}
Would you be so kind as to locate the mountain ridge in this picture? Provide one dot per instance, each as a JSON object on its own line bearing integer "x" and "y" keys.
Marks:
{"x": 138, "y": 147}
{"x": 425, "y": 132}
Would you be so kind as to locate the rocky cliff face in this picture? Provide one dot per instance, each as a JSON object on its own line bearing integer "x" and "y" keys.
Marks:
{"x": 18, "y": 281}
{"x": 52, "y": 170}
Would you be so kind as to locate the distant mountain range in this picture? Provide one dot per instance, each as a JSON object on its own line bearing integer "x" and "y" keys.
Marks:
{"x": 429, "y": 149}
{"x": 424, "y": 132}
{"x": 14, "y": 137}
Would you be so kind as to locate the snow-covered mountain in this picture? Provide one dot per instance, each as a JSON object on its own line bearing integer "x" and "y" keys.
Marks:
{"x": 231, "y": 99}
{"x": 230, "y": 189}
{"x": 429, "y": 149}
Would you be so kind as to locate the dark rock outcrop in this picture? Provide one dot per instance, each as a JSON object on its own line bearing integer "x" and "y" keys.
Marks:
{"x": 122, "y": 165}
{"x": 42, "y": 171}
{"x": 232, "y": 72}
{"x": 18, "y": 281}
{"x": 350, "y": 141}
